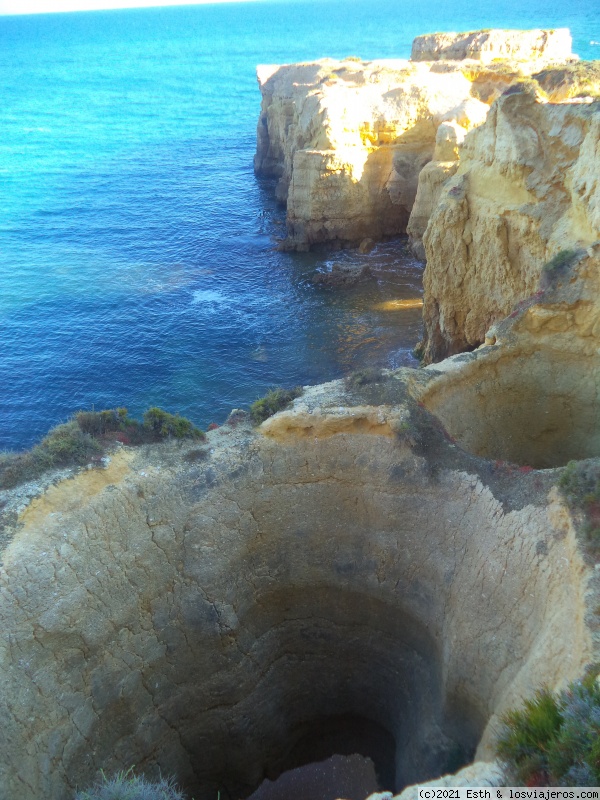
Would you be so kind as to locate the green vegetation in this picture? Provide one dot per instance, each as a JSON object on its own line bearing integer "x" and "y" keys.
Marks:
{"x": 125, "y": 786}
{"x": 164, "y": 425}
{"x": 65, "y": 445}
{"x": 198, "y": 454}
{"x": 87, "y": 436}
{"x": 275, "y": 400}
{"x": 364, "y": 377}
{"x": 580, "y": 485}
{"x": 555, "y": 739}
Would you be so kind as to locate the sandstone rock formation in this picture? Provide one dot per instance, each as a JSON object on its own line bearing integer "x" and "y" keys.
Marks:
{"x": 347, "y": 139}
{"x": 487, "y": 46}
{"x": 527, "y": 187}
{"x": 432, "y": 178}
{"x": 531, "y": 396}
{"x": 346, "y": 573}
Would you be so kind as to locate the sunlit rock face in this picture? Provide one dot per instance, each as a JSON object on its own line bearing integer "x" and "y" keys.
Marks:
{"x": 487, "y": 46}
{"x": 526, "y": 188}
{"x": 348, "y": 139}
{"x": 531, "y": 396}
{"x": 432, "y": 178}
{"x": 342, "y": 580}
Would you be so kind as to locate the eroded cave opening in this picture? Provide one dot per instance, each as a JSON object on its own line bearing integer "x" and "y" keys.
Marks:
{"x": 540, "y": 409}
{"x": 324, "y": 671}
{"x": 345, "y": 734}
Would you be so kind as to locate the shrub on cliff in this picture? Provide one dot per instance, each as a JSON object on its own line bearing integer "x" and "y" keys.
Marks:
{"x": 558, "y": 267}
{"x": 63, "y": 446}
{"x": 125, "y": 786}
{"x": 274, "y": 401}
{"x": 555, "y": 739}
{"x": 163, "y": 425}
{"x": 87, "y": 436}
{"x": 98, "y": 423}
{"x": 580, "y": 485}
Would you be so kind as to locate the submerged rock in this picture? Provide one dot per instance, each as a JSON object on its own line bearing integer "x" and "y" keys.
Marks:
{"x": 343, "y": 275}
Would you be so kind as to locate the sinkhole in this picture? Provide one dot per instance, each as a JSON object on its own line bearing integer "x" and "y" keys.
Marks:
{"x": 538, "y": 409}
{"x": 227, "y": 621}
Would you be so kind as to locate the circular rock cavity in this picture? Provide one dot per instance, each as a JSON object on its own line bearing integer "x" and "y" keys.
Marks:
{"x": 225, "y": 621}
{"x": 540, "y": 409}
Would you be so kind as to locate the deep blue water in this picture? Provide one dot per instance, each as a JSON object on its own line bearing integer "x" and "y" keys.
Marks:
{"x": 137, "y": 260}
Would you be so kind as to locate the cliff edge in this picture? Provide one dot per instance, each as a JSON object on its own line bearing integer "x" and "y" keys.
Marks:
{"x": 346, "y": 140}
{"x": 527, "y": 187}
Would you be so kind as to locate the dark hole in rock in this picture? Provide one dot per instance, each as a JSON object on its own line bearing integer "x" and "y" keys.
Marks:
{"x": 351, "y": 777}
{"x": 322, "y": 737}
{"x": 216, "y": 644}
{"x": 332, "y": 672}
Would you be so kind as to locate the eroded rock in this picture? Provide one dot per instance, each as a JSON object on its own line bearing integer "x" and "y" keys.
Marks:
{"x": 344, "y": 569}
{"x": 527, "y": 188}
{"x": 347, "y": 139}
{"x": 531, "y": 397}
{"x": 486, "y": 46}
{"x": 343, "y": 275}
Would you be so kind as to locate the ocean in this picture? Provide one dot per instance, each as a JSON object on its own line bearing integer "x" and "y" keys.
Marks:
{"x": 138, "y": 264}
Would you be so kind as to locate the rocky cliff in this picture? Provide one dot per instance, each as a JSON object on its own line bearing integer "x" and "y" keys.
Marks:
{"x": 491, "y": 45}
{"x": 343, "y": 579}
{"x": 347, "y": 139}
{"x": 527, "y": 187}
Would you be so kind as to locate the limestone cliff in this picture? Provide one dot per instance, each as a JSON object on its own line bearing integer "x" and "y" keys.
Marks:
{"x": 490, "y": 45}
{"x": 345, "y": 569}
{"x": 531, "y": 395}
{"x": 347, "y": 139}
{"x": 527, "y": 187}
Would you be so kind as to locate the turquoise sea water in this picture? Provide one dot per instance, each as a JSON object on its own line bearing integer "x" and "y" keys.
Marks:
{"x": 137, "y": 260}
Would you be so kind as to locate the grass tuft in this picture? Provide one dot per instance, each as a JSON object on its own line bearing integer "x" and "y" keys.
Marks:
{"x": 558, "y": 267}
{"x": 165, "y": 425}
{"x": 125, "y": 786}
{"x": 364, "y": 377}
{"x": 580, "y": 485}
